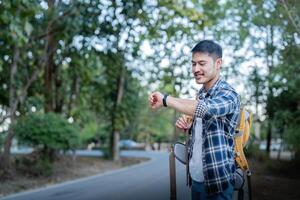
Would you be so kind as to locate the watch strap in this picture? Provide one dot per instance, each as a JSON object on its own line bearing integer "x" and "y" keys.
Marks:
{"x": 165, "y": 100}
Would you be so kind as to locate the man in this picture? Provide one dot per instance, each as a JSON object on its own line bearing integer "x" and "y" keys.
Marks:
{"x": 215, "y": 115}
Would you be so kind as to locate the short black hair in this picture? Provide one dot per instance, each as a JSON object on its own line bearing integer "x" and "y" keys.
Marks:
{"x": 208, "y": 46}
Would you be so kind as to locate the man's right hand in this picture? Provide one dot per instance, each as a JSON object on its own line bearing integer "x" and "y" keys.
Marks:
{"x": 156, "y": 100}
{"x": 183, "y": 123}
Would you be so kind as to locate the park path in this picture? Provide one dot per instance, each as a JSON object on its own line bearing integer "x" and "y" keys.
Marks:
{"x": 147, "y": 181}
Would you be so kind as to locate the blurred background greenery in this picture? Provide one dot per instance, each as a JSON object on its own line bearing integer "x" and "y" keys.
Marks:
{"x": 78, "y": 73}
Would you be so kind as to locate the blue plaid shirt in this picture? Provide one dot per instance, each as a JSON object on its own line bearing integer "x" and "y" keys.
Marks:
{"x": 219, "y": 108}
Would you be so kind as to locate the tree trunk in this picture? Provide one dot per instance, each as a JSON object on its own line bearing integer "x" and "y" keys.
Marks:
{"x": 269, "y": 136}
{"x": 256, "y": 126}
{"x": 59, "y": 93}
{"x": 152, "y": 146}
{"x": 73, "y": 94}
{"x": 270, "y": 63}
{"x": 5, "y": 157}
{"x": 49, "y": 65}
{"x": 114, "y": 141}
{"x": 115, "y": 135}
{"x": 116, "y": 153}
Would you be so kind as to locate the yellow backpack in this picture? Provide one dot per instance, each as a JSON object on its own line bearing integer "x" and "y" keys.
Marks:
{"x": 242, "y": 134}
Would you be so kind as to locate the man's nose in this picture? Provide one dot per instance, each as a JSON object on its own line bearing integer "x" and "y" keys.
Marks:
{"x": 197, "y": 68}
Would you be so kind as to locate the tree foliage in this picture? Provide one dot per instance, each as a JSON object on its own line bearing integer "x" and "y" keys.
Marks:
{"x": 48, "y": 132}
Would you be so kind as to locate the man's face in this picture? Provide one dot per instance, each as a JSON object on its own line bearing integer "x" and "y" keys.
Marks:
{"x": 204, "y": 67}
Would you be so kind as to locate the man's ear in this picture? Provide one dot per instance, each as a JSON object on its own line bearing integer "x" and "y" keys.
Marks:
{"x": 219, "y": 63}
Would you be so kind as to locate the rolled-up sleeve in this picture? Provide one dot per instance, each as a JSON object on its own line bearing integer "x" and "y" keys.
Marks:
{"x": 225, "y": 102}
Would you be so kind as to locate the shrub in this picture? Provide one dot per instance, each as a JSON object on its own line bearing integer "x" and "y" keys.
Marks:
{"x": 93, "y": 132}
{"x": 34, "y": 164}
{"x": 1, "y": 140}
{"x": 252, "y": 151}
{"x": 292, "y": 134}
{"x": 46, "y": 132}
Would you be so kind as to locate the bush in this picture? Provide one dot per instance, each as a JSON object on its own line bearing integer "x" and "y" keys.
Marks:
{"x": 1, "y": 140}
{"x": 93, "y": 132}
{"x": 47, "y": 132}
{"x": 292, "y": 134}
{"x": 106, "y": 153}
{"x": 34, "y": 164}
{"x": 252, "y": 151}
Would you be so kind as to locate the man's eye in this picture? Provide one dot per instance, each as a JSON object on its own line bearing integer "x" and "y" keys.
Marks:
{"x": 193, "y": 64}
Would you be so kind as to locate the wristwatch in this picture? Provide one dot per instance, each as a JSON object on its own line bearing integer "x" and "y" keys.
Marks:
{"x": 165, "y": 100}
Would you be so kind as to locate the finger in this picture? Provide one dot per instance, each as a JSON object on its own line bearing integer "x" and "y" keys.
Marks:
{"x": 150, "y": 98}
{"x": 182, "y": 121}
{"x": 181, "y": 128}
{"x": 154, "y": 102}
{"x": 181, "y": 125}
{"x": 154, "y": 98}
{"x": 177, "y": 125}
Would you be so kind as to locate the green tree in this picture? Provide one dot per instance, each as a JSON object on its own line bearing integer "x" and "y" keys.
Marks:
{"x": 17, "y": 31}
{"x": 47, "y": 133}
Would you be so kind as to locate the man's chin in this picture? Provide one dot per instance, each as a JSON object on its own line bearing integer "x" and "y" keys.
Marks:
{"x": 200, "y": 81}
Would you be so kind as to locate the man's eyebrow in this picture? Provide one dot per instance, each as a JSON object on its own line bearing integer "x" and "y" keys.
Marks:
{"x": 201, "y": 61}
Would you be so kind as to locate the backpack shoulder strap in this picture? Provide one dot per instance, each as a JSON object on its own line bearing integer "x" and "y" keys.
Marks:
{"x": 241, "y": 138}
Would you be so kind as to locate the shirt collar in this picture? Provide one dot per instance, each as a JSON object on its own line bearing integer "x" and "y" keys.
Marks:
{"x": 203, "y": 93}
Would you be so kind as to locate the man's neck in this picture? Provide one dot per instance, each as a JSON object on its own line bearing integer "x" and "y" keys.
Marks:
{"x": 211, "y": 83}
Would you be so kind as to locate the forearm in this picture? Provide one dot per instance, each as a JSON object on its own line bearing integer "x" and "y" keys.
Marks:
{"x": 185, "y": 106}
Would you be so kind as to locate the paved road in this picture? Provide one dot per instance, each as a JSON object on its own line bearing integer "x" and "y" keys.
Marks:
{"x": 145, "y": 181}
